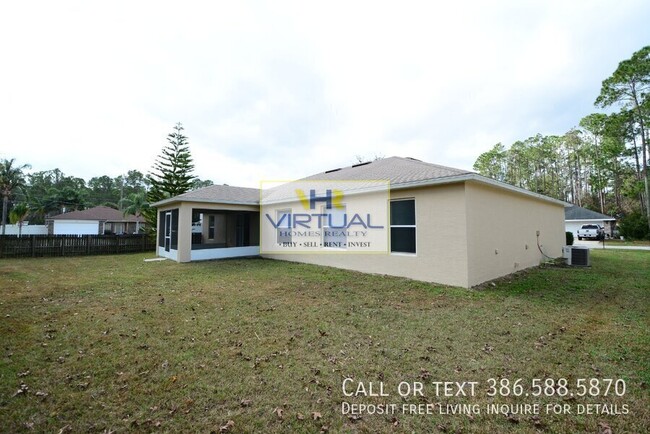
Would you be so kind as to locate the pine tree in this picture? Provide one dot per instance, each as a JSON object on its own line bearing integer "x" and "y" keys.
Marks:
{"x": 171, "y": 174}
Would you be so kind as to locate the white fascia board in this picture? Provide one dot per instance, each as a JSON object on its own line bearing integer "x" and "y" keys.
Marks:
{"x": 76, "y": 221}
{"x": 591, "y": 220}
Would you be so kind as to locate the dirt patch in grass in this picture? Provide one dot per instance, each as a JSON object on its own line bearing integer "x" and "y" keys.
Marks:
{"x": 116, "y": 344}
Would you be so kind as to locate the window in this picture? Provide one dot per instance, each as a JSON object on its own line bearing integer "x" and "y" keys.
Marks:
{"x": 211, "y": 220}
{"x": 283, "y": 219}
{"x": 402, "y": 226}
{"x": 334, "y": 228}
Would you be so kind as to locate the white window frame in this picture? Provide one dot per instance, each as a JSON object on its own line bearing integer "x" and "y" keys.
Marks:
{"x": 212, "y": 224}
{"x": 325, "y": 226}
{"x": 278, "y": 214}
{"x": 414, "y": 226}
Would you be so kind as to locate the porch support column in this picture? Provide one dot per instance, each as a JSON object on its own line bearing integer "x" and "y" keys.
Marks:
{"x": 184, "y": 233}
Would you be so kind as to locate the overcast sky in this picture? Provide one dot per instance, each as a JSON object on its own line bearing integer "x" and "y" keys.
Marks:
{"x": 281, "y": 90}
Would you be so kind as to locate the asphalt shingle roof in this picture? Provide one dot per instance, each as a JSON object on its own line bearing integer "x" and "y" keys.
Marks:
{"x": 578, "y": 213}
{"x": 102, "y": 213}
{"x": 223, "y": 193}
{"x": 397, "y": 170}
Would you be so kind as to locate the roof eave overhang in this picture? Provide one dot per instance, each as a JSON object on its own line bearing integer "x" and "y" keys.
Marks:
{"x": 608, "y": 219}
{"x": 481, "y": 180}
{"x": 172, "y": 200}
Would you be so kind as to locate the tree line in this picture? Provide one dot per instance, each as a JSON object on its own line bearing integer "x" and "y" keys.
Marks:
{"x": 35, "y": 196}
{"x": 602, "y": 164}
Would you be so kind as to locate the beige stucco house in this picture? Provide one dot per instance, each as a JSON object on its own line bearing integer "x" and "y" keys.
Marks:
{"x": 443, "y": 225}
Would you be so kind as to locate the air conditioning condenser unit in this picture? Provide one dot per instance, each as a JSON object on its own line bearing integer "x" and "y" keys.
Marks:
{"x": 577, "y": 256}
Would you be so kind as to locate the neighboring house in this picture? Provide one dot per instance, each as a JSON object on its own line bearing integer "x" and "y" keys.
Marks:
{"x": 95, "y": 221}
{"x": 455, "y": 227}
{"x": 575, "y": 217}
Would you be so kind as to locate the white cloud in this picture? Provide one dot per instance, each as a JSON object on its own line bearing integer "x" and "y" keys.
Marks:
{"x": 284, "y": 89}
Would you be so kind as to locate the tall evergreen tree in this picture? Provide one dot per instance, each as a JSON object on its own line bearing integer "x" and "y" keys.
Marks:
{"x": 171, "y": 174}
{"x": 629, "y": 86}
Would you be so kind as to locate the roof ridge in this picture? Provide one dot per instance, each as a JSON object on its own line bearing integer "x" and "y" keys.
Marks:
{"x": 426, "y": 163}
{"x": 216, "y": 185}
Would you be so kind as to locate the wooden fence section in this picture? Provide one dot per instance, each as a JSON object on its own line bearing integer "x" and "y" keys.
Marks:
{"x": 12, "y": 246}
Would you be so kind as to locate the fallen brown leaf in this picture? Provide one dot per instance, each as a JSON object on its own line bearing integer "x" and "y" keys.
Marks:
{"x": 604, "y": 428}
{"x": 227, "y": 427}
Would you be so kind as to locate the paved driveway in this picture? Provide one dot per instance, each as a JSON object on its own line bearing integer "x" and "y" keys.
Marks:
{"x": 599, "y": 245}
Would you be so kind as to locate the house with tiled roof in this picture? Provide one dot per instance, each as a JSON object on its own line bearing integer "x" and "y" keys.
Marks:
{"x": 98, "y": 220}
{"x": 395, "y": 216}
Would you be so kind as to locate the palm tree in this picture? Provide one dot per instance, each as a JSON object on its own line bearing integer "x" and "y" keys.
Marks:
{"x": 11, "y": 178}
{"x": 18, "y": 215}
{"x": 135, "y": 204}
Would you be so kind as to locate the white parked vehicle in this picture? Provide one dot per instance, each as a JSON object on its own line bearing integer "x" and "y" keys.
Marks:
{"x": 592, "y": 232}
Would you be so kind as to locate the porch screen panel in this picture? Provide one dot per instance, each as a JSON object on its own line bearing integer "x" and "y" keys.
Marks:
{"x": 161, "y": 231}
{"x": 174, "y": 244}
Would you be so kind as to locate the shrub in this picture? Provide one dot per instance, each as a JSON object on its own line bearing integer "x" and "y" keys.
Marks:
{"x": 569, "y": 238}
{"x": 635, "y": 226}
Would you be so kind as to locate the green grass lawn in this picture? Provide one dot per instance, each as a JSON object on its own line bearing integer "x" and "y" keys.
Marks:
{"x": 114, "y": 344}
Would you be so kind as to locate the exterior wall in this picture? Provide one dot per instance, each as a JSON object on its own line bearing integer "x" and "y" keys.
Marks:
{"x": 374, "y": 203}
{"x": 441, "y": 241}
{"x": 501, "y": 231}
{"x": 76, "y": 227}
{"x": 184, "y": 233}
